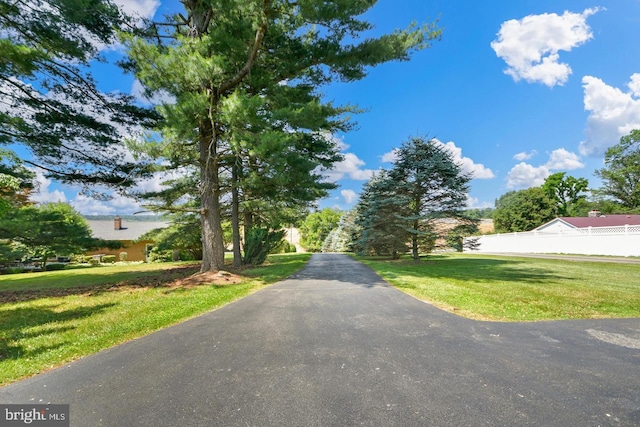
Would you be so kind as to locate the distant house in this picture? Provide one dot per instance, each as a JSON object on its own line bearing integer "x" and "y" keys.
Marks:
{"x": 595, "y": 219}
{"x": 597, "y": 234}
{"x": 127, "y": 232}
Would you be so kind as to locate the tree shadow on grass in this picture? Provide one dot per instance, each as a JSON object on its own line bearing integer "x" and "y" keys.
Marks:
{"x": 16, "y": 325}
{"x": 148, "y": 280}
{"x": 478, "y": 270}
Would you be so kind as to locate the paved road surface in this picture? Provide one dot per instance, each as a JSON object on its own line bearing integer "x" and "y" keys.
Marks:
{"x": 335, "y": 346}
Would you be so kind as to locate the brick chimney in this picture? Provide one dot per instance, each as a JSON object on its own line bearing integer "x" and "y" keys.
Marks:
{"x": 117, "y": 223}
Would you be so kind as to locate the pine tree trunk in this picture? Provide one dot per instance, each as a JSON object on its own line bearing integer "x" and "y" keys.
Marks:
{"x": 212, "y": 242}
{"x": 211, "y": 216}
{"x": 414, "y": 241}
{"x": 235, "y": 217}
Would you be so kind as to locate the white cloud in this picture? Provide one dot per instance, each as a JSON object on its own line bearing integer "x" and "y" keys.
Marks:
{"x": 349, "y": 196}
{"x": 139, "y": 8}
{"x": 562, "y": 159}
{"x": 476, "y": 170}
{"x": 117, "y": 205}
{"x": 350, "y": 167}
{"x": 525, "y": 156}
{"x": 137, "y": 91}
{"x": 475, "y": 203}
{"x": 42, "y": 193}
{"x": 612, "y": 113}
{"x": 391, "y": 156}
{"x": 634, "y": 85}
{"x": 89, "y": 206}
{"x": 530, "y": 45}
{"x": 524, "y": 175}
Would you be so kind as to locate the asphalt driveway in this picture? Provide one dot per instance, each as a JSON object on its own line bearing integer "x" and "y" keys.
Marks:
{"x": 334, "y": 345}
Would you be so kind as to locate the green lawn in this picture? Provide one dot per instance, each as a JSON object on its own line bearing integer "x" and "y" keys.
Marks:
{"x": 50, "y": 318}
{"x": 518, "y": 289}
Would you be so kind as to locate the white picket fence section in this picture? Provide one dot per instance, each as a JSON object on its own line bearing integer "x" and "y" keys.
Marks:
{"x": 613, "y": 241}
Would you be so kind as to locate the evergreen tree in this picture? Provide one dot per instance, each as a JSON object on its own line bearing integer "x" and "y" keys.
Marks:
{"x": 431, "y": 186}
{"x": 382, "y": 230}
{"x": 222, "y": 56}
{"x": 51, "y": 105}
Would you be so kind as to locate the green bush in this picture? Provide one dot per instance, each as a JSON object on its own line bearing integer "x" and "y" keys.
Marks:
{"x": 54, "y": 267}
{"x": 108, "y": 259}
{"x": 15, "y": 270}
{"x": 94, "y": 261}
{"x": 259, "y": 242}
{"x": 283, "y": 248}
{"x": 160, "y": 256}
{"x": 123, "y": 256}
{"x": 291, "y": 248}
{"x": 81, "y": 259}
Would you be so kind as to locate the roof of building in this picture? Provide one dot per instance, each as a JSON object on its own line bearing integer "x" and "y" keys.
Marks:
{"x": 601, "y": 221}
{"x": 129, "y": 230}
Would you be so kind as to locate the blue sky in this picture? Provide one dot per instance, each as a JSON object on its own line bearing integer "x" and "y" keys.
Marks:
{"x": 517, "y": 90}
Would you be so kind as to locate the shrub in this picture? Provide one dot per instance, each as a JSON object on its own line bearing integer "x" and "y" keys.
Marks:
{"x": 160, "y": 256}
{"x": 15, "y": 270}
{"x": 123, "y": 256}
{"x": 108, "y": 259}
{"x": 81, "y": 259}
{"x": 55, "y": 267}
{"x": 291, "y": 249}
{"x": 94, "y": 261}
{"x": 259, "y": 242}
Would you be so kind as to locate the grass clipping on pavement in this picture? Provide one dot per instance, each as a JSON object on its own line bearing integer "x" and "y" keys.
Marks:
{"x": 51, "y": 318}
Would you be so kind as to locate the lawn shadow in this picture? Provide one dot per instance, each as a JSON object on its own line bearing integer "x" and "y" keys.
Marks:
{"x": 478, "y": 270}
{"x": 16, "y": 323}
{"x": 149, "y": 280}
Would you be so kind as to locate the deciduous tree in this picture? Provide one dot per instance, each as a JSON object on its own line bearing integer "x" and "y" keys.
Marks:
{"x": 49, "y": 229}
{"x": 621, "y": 174}
{"x": 523, "y": 210}
{"x": 316, "y": 227}
{"x": 566, "y": 192}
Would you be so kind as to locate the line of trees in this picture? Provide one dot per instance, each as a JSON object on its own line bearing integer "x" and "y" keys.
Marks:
{"x": 387, "y": 216}
{"x": 245, "y": 135}
{"x": 248, "y": 129}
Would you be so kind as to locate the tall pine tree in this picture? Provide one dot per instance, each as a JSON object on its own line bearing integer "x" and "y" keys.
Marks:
{"x": 432, "y": 187}
{"x": 221, "y": 49}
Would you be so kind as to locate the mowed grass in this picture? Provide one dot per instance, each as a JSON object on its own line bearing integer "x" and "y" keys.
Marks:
{"x": 518, "y": 289}
{"x": 60, "y": 316}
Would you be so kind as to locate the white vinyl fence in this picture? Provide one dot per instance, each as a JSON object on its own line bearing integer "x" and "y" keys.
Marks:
{"x": 613, "y": 241}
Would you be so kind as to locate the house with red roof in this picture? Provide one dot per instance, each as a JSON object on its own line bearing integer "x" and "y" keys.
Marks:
{"x": 595, "y": 219}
